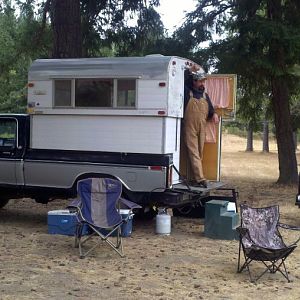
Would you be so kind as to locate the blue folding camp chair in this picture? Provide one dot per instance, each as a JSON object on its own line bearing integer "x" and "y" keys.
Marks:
{"x": 98, "y": 207}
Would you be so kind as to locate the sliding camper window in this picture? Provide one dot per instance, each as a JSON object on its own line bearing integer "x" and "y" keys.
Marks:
{"x": 95, "y": 92}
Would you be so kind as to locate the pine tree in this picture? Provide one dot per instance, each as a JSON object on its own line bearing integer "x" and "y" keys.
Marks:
{"x": 261, "y": 45}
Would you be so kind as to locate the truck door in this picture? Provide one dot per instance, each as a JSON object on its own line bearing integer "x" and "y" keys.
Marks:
{"x": 8, "y": 146}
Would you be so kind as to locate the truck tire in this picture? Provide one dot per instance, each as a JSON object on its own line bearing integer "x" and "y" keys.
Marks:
{"x": 3, "y": 202}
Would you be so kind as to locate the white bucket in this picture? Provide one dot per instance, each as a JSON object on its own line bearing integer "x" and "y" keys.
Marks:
{"x": 163, "y": 224}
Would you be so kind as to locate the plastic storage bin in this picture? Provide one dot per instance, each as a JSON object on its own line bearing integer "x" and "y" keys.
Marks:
{"x": 64, "y": 222}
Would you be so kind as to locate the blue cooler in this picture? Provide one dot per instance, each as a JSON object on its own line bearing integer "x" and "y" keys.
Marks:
{"x": 126, "y": 228}
{"x": 64, "y": 222}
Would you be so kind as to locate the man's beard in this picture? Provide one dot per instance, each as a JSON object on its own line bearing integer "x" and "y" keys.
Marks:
{"x": 201, "y": 88}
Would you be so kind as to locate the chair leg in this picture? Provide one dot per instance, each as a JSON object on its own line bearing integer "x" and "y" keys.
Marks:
{"x": 246, "y": 265}
{"x": 118, "y": 246}
{"x": 268, "y": 268}
{"x": 120, "y": 252}
{"x": 239, "y": 258}
{"x": 272, "y": 268}
{"x": 277, "y": 268}
{"x": 81, "y": 242}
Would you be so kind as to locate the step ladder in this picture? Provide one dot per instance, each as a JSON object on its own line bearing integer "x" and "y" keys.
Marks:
{"x": 219, "y": 222}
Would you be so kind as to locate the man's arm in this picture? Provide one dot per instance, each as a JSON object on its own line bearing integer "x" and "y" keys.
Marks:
{"x": 211, "y": 111}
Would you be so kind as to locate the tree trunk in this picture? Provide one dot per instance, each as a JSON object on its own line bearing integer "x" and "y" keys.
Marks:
{"x": 66, "y": 25}
{"x": 280, "y": 102}
{"x": 284, "y": 134}
{"x": 265, "y": 136}
{"x": 249, "y": 139}
{"x": 295, "y": 139}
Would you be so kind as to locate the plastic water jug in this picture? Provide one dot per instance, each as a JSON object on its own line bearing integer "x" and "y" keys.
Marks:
{"x": 163, "y": 222}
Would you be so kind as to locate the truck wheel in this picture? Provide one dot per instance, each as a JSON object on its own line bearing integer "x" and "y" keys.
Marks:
{"x": 3, "y": 202}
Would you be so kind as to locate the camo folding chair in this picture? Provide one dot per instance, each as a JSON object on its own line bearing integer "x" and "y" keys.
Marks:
{"x": 98, "y": 206}
{"x": 261, "y": 241}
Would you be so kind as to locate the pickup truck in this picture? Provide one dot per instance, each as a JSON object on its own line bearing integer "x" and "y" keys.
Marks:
{"x": 43, "y": 174}
{"x": 109, "y": 117}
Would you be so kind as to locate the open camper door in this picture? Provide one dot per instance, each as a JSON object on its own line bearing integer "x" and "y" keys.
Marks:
{"x": 221, "y": 89}
{"x": 222, "y": 92}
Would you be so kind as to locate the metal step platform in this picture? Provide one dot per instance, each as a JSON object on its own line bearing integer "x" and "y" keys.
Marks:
{"x": 183, "y": 187}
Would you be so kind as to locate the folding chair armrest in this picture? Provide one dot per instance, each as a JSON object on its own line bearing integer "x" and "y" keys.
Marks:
{"x": 289, "y": 227}
{"x": 286, "y": 226}
{"x": 131, "y": 205}
{"x": 242, "y": 231}
{"x": 74, "y": 205}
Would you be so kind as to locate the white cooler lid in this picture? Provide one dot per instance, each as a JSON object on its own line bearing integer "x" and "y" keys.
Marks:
{"x": 61, "y": 212}
{"x": 124, "y": 211}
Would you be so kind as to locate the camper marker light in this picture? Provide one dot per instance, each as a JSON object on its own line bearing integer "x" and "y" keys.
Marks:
{"x": 156, "y": 168}
{"x": 161, "y": 112}
{"x": 30, "y": 84}
{"x": 162, "y": 84}
{"x": 173, "y": 62}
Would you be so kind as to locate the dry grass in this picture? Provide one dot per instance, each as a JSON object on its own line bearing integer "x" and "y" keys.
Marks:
{"x": 184, "y": 265}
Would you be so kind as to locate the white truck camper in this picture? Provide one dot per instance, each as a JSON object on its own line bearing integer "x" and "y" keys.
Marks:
{"x": 118, "y": 117}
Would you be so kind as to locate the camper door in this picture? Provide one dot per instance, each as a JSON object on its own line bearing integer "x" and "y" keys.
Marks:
{"x": 222, "y": 92}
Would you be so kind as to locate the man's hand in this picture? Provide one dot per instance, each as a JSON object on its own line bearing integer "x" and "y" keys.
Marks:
{"x": 215, "y": 118}
{"x": 194, "y": 68}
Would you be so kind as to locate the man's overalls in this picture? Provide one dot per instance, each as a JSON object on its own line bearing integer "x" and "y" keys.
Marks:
{"x": 195, "y": 117}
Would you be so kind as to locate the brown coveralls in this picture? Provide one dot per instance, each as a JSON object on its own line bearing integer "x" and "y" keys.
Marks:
{"x": 194, "y": 131}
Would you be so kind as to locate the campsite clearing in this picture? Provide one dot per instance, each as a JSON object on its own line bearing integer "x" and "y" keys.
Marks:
{"x": 184, "y": 265}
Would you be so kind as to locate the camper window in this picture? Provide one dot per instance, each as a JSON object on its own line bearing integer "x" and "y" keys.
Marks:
{"x": 126, "y": 93}
{"x": 62, "y": 93}
{"x": 94, "y": 92}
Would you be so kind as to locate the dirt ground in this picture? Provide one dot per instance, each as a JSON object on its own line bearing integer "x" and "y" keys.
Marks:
{"x": 184, "y": 265}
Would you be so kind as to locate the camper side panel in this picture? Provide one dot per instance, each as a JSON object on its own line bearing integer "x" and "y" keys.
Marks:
{"x": 151, "y": 95}
{"x": 133, "y": 134}
{"x": 176, "y": 88}
{"x": 41, "y": 94}
{"x": 172, "y": 142}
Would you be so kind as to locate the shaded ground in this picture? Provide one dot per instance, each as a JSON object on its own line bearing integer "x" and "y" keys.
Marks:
{"x": 184, "y": 265}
